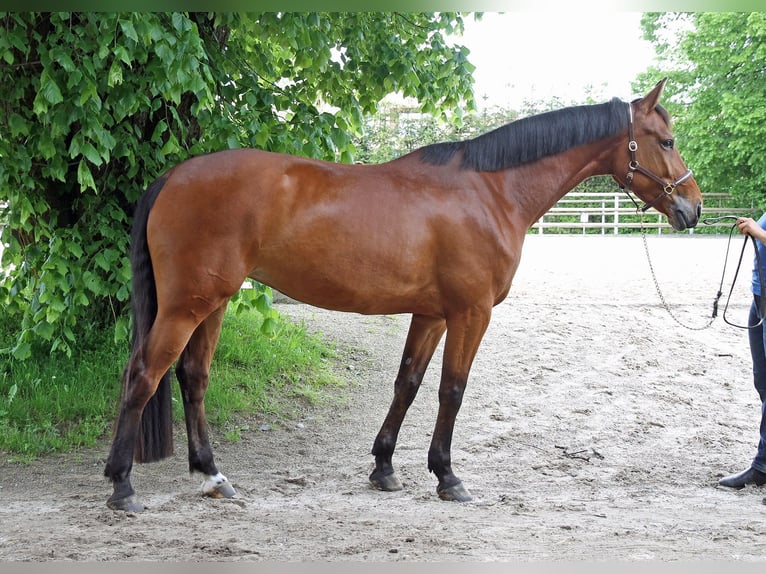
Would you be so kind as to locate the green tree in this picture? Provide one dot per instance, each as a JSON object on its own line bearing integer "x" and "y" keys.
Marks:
{"x": 716, "y": 62}
{"x": 94, "y": 106}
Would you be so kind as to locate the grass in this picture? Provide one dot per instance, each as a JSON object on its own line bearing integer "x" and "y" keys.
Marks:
{"x": 51, "y": 404}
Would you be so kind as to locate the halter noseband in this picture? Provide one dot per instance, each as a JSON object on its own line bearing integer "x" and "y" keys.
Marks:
{"x": 634, "y": 166}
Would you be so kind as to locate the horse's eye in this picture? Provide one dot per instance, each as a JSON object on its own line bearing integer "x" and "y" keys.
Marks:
{"x": 667, "y": 144}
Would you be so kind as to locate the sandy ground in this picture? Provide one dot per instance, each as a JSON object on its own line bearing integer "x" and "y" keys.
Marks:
{"x": 594, "y": 428}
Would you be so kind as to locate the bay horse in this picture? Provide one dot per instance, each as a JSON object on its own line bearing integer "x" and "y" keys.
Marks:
{"x": 436, "y": 233}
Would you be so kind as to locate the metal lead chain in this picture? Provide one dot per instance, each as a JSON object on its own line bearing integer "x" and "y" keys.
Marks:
{"x": 659, "y": 291}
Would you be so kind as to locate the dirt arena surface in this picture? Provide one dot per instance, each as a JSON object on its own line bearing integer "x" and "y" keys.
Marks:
{"x": 594, "y": 428}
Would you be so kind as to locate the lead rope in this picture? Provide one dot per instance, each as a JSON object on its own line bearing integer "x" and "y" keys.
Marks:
{"x": 762, "y": 307}
{"x": 761, "y": 311}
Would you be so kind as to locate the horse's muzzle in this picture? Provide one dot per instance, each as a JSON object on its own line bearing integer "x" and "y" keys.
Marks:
{"x": 685, "y": 215}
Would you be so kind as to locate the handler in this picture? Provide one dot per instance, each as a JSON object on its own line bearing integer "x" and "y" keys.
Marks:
{"x": 756, "y": 474}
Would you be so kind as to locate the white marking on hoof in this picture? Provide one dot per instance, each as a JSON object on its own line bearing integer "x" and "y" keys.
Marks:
{"x": 217, "y": 486}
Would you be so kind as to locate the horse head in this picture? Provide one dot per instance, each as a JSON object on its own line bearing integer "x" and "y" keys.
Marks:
{"x": 653, "y": 168}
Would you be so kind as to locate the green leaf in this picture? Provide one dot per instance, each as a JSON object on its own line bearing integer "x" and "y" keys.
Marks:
{"x": 50, "y": 89}
{"x": 179, "y": 22}
{"x": 91, "y": 154}
{"x": 89, "y": 92}
{"x": 101, "y": 261}
{"x": 123, "y": 293}
{"x": 129, "y": 30}
{"x": 270, "y": 326}
{"x": 84, "y": 176}
{"x": 74, "y": 249}
{"x": 262, "y": 138}
{"x": 115, "y": 74}
{"x": 47, "y": 147}
{"x": 171, "y": 146}
{"x": 44, "y": 330}
{"x": 121, "y": 329}
{"x": 64, "y": 60}
{"x": 18, "y": 125}
{"x": 22, "y": 351}
{"x": 263, "y": 303}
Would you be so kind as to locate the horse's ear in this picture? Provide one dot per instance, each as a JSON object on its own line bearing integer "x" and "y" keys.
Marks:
{"x": 650, "y": 100}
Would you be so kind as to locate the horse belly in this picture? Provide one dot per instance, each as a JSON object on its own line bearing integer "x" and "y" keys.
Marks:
{"x": 349, "y": 283}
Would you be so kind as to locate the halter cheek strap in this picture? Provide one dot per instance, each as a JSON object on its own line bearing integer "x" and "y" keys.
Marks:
{"x": 633, "y": 167}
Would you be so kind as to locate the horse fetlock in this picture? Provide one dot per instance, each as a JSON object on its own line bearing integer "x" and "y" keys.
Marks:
{"x": 440, "y": 463}
{"x": 383, "y": 448}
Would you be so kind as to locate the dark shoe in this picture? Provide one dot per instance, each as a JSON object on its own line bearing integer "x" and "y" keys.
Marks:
{"x": 749, "y": 476}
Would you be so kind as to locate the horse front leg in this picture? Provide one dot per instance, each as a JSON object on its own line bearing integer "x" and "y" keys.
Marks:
{"x": 464, "y": 334}
{"x": 423, "y": 337}
{"x": 193, "y": 372}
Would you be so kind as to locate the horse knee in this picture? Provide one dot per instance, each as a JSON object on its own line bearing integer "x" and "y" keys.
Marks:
{"x": 408, "y": 384}
{"x": 451, "y": 394}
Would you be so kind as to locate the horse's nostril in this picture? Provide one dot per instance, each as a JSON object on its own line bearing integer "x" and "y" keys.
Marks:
{"x": 699, "y": 210}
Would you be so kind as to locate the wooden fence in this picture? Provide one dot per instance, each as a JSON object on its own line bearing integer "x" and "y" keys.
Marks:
{"x": 613, "y": 213}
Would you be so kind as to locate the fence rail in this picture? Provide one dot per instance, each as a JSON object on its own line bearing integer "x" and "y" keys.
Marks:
{"x": 611, "y": 213}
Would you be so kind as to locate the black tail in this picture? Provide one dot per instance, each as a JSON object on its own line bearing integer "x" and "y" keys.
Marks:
{"x": 155, "y": 437}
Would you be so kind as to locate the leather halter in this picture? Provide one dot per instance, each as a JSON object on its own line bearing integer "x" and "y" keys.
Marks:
{"x": 667, "y": 186}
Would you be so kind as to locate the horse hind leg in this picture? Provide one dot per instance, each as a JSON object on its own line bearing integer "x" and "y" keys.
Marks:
{"x": 139, "y": 387}
{"x": 193, "y": 372}
{"x": 147, "y": 367}
{"x": 423, "y": 337}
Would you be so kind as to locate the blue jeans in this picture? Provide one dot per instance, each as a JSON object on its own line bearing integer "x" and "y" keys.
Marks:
{"x": 758, "y": 351}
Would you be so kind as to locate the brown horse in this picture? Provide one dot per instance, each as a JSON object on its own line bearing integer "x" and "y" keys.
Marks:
{"x": 436, "y": 233}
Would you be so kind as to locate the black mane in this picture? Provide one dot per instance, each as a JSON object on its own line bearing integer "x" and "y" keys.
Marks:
{"x": 533, "y": 138}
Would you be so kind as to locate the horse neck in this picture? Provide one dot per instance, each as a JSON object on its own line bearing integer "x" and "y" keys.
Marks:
{"x": 534, "y": 188}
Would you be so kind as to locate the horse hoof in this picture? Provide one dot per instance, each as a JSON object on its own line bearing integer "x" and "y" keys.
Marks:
{"x": 456, "y": 492}
{"x": 218, "y": 486}
{"x": 127, "y": 504}
{"x": 386, "y": 482}
{"x": 226, "y": 490}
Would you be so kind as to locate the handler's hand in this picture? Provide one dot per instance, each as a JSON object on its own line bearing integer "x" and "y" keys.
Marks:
{"x": 748, "y": 226}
